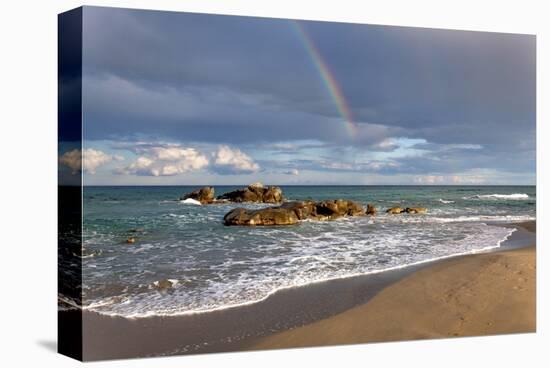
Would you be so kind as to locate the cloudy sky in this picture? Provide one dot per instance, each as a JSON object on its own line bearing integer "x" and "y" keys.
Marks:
{"x": 176, "y": 98}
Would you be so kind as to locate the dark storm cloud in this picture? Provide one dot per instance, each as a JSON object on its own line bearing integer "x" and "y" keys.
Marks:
{"x": 244, "y": 80}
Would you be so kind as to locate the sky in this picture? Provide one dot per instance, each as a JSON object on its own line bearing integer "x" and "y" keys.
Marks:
{"x": 187, "y": 99}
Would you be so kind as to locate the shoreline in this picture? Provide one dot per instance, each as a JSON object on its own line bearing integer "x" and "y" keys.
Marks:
{"x": 351, "y": 276}
{"x": 465, "y": 296}
{"x": 258, "y": 325}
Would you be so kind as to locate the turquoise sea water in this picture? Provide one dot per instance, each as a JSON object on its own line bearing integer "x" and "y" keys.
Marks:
{"x": 213, "y": 266}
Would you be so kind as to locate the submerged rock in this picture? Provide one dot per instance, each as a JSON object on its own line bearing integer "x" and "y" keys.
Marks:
{"x": 164, "y": 284}
{"x": 256, "y": 192}
{"x": 395, "y": 210}
{"x": 204, "y": 195}
{"x": 292, "y": 212}
{"x": 416, "y": 210}
{"x": 371, "y": 210}
{"x": 411, "y": 210}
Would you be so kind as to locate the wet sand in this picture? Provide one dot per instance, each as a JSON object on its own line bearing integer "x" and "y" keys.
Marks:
{"x": 462, "y": 296}
{"x": 482, "y": 294}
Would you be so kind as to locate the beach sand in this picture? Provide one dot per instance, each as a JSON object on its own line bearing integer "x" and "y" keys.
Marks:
{"x": 481, "y": 294}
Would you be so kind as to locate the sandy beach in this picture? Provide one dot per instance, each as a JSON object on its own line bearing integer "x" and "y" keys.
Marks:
{"x": 482, "y": 294}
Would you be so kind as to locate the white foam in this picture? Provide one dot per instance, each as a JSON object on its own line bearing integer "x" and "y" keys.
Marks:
{"x": 479, "y": 218}
{"x": 311, "y": 259}
{"x": 514, "y": 196}
{"x": 191, "y": 201}
{"x": 445, "y": 201}
{"x": 151, "y": 313}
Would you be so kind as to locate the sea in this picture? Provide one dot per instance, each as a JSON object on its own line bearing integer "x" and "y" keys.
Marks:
{"x": 210, "y": 266}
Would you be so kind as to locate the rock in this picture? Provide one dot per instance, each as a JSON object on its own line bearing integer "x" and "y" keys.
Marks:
{"x": 262, "y": 217}
{"x": 273, "y": 195}
{"x": 239, "y": 195}
{"x": 204, "y": 195}
{"x": 412, "y": 210}
{"x": 256, "y": 192}
{"x": 257, "y": 185}
{"x": 302, "y": 209}
{"x": 163, "y": 284}
{"x": 371, "y": 210}
{"x": 291, "y": 212}
{"x": 417, "y": 210}
{"x": 395, "y": 210}
{"x": 338, "y": 208}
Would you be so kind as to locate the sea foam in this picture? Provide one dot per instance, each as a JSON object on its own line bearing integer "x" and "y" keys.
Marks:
{"x": 514, "y": 196}
{"x": 326, "y": 251}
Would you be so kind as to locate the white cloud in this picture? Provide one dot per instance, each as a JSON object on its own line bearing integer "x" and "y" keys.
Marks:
{"x": 449, "y": 179}
{"x": 359, "y": 166}
{"x": 387, "y": 144}
{"x": 95, "y": 158}
{"x": 463, "y": 146}
{"x": 379, "y": 165}
{"x": 166, "y": 161}
{"x": 294, "y": 172}
{"x": 88, "y": 160}
{"x": 338, "y": 165}
{"x": 72, "y": 159}
{"x": 233, "y": 160}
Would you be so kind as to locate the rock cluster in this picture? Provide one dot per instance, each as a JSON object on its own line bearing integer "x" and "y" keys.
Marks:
{"x": 291, "y": 213}
{"x": 256, "y": 192}
{"x": 288, "y": 213}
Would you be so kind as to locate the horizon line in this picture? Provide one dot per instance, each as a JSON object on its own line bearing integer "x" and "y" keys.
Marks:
{"x": 305, "y": 185}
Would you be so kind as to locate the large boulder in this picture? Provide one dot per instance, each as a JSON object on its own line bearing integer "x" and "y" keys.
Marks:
{"x": 204, "y": 195}
{"x": 338, "y": 208}
{"x": 302, "y": 209}
{"x": 256, "y": 192}
{"x": 291, "y": 212}
{"x": 262, "y": 217}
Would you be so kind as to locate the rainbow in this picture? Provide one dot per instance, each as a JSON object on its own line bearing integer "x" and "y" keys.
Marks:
{"x": 328, "y": 78}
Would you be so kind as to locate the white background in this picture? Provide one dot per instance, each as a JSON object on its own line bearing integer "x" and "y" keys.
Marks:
{"x": 28, "y": 172}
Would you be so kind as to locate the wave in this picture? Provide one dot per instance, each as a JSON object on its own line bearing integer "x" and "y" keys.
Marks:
{"x": 503, "y": 235}
{"x": 65, "y": 303}
{"x": 514, "y": 196}
{"x": 478, "y": 218}
{"x": 444, "y": 201}
{"x": 507, "y": 218}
